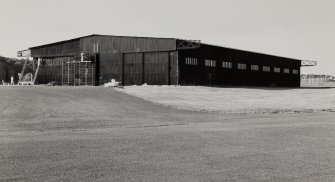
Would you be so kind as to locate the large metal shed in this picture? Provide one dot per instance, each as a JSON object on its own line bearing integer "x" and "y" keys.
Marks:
{"x": 164, "y": 61}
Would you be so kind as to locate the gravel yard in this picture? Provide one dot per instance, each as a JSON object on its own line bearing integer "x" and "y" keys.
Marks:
{"x": 100, "y": 134}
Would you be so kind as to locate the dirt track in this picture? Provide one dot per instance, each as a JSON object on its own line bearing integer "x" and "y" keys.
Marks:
{"x": 99, "y": 134}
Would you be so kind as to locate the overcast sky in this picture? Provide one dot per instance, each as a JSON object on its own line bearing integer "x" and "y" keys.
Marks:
{"x": 301, "y": 29}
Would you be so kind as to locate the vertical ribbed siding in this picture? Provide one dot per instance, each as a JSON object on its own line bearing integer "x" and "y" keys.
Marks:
{"x": 133, "y": 69}
{"x": 110, "y": 67}
{"x": 114, "y": 44}
{"x": 103, "y": 44}
{"x": 156, "y": 68}
{"x": 61, "y": 49}
{"x": 51, "y": 70}
{"x": 150, "y": 67}
{"x": 48, "y": 74}
{"x": 201, "y": 74}
{"x": 110, "y": 49}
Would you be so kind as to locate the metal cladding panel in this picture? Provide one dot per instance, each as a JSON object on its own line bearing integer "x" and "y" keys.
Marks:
{"x": 60, "y": 49}
{"x": 110, "y": 67}
{"x": 158, "y": 68}
{"x": 117, "y": 44}
{"x": 103, "y": 44}
{"x": 57, "y": 70}
{"x": 51, "y": 70}
{"x": 204, "y": 75}
{"x": 48, "y": 74}
{"x": 133, "y": 69}
{"x": 86, "y": 44}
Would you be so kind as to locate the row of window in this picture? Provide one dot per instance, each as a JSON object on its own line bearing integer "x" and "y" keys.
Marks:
{"x": 240, "y": 66}
{"x": 253, "y": 67}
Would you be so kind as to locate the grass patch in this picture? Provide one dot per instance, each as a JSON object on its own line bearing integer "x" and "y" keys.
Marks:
{"x": 237, "y": 100}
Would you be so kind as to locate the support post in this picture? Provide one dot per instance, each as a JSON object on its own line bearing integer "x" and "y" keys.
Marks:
{"x": 93, "y": 73}
{"x": 143, "y": 68}
{"x": 169, "y": 68}
{"x": 123, "y": 69}
{"x": 68, "y": 74}
{"x": 177, "y": 70}
{"x": 62, "y": 74}
{"x": 79, "y": 75}
{"x": 74, "y": 74}
{"x": 97, "y": 69}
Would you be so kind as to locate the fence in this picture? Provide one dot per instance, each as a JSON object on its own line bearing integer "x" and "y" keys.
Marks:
{"x": 316, "y": 82}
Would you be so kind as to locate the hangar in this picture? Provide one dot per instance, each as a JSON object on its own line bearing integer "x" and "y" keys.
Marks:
{"x": 96, "y": 59}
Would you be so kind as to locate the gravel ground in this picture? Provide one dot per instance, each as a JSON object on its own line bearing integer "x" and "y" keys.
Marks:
{"x": 100, "y": 134}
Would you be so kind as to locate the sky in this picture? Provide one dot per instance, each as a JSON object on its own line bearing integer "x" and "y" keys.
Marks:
{"x": 300, "y": 29}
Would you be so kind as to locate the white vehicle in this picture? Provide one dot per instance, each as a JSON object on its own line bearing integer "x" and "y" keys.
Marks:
{"x": 26, "y": 83}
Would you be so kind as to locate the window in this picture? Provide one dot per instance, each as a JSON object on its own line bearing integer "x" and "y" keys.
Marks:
{"x": 254, "y": 67}
{"x": 191, "y": 61}
{"x": 210, "y": 63}
{"x": 276, "y": 70}
{"x": 295, "y": 71}
{"x": 286, "y": 70}
{"x": 266, "y": 68}
{"x": 227, "y": 64}
{"x": 241, "y": 66}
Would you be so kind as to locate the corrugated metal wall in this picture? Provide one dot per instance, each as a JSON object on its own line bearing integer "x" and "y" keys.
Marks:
{"x": 110, "y": 67}
{"x": 204, "y": 75}
{"x": 110, "y": 62}
{"x": 51, "y": 70}
{"x": 48, "y": 74}
{"x": 118, "y": 44}
{"x": 103, "y": 44}
{"x": 133, "y": 69}
{"x": 137, "y": 60}
{"x": 61, "y": 49}
{"x": 154, "y": 68}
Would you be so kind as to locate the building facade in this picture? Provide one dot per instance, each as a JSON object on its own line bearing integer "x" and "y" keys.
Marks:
{"x": 161, "y": 61}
